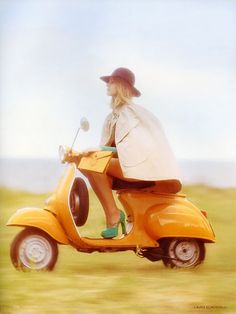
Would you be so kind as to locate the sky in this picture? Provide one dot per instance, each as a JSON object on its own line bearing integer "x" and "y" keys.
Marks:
{"x": 52, "y": 53}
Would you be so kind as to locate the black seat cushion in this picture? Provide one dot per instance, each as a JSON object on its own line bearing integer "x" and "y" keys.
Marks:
{"x": 118, "y": 184}
{"x": 163, "y": 186}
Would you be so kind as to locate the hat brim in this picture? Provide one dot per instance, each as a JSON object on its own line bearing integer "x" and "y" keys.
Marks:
{"x": 136, "y": 92}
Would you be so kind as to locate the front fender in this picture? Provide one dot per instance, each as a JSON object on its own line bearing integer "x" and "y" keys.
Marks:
{"x": 178, "y": 221}
{"x": 41, "y": 219}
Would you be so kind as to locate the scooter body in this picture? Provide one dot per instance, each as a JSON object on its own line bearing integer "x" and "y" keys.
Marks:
{"x": 162, "y": 226}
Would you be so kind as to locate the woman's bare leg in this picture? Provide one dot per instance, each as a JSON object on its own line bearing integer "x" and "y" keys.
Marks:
{"x": 101, "y": 184}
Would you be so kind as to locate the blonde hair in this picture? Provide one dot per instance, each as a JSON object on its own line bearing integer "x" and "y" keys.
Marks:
{"x": 124, "y": 93}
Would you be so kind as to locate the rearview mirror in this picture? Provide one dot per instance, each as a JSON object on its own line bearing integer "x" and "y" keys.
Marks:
{"x": 84, "y": 124}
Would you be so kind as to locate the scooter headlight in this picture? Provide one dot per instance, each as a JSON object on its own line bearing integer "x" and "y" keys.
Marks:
{"x": 62, "y": 153}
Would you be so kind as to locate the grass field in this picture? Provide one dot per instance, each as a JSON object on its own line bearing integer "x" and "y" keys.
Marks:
{"x": 122, "y": 282}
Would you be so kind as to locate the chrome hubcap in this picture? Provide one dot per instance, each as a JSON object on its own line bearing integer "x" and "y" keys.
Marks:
{"x": 184, "y": 253}
{"x": 35, "y": 252}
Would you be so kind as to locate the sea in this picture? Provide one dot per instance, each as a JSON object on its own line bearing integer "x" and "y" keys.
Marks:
{"x": 42, "y": 175}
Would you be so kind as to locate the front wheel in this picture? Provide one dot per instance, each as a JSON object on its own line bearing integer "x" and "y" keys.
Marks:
{"x": 182, "y": 253}
{"x": 33, "y": 249}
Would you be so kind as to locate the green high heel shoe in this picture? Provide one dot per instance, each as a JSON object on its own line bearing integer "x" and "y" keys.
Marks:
{"x": 110, "y": 233}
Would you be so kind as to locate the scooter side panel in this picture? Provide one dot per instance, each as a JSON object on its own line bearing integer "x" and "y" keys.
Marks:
{"x": 41, "y": 219}
{"x": 178, "y": 220}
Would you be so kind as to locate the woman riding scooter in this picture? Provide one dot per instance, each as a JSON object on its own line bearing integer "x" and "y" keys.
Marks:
{"x": 162, "y": 226}
{"x": 142, "y": 148}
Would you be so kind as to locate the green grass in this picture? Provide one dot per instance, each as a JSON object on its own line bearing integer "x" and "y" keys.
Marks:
{"x": 122, "y": 282}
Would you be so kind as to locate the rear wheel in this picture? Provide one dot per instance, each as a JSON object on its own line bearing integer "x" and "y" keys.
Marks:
{"x": 33, "y": 249}
{"x": 182, "y": 253}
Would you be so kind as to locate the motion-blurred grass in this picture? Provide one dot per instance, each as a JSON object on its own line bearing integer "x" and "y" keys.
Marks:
{"x": 122, "y": 282}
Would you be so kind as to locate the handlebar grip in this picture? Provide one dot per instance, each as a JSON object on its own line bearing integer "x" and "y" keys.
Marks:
{"x": 109, "y": 148}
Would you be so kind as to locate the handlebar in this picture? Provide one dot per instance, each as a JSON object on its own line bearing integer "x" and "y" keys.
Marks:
{"x": 109, "y": 148}
{"x": 66, "y": 154}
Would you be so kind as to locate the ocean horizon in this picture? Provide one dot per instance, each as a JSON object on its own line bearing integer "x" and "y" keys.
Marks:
{"x": 42, "y": 175}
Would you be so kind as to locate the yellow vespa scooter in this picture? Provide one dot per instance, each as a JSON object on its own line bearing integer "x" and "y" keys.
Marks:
{"x": 160, "y": 226}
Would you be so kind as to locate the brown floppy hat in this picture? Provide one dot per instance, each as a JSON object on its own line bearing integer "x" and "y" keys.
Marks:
{"x": 126, "y": 75}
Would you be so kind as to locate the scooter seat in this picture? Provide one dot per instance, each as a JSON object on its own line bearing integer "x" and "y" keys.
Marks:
{"x": 118, "y": 184}
{"x": 165, "y": 186}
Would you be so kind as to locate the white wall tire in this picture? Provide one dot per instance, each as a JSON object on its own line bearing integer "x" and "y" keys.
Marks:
{"x": 33, "y": 249}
